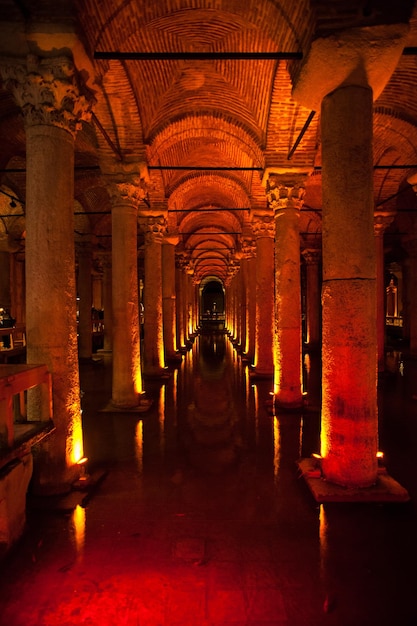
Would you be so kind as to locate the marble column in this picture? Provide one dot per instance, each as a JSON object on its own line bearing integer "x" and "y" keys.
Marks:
{"x": 312, "y": 258}
{"x": 285, "y": 194}
{"x": 46, "y": 90}
{"x": 349, "y": 434}
{"x": 127, "y": 384}
{"x": 382, "y": 220}
{"x": 179, "y": 266}
{"x": 264, "y": 230}
{"x": 249, "y": 251}
{"x": 84, "y": 281}
{"x": 169, "y": 298}
{"x": 153, "y": 342}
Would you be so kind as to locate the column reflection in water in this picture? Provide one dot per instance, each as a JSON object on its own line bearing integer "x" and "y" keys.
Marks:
{"x": 277, "y": 448}
{"x": 214, "y": 439}
{"x": 78, "y": 522}
{"x": 161, "y": 420}
{"x": 139, "y": 446}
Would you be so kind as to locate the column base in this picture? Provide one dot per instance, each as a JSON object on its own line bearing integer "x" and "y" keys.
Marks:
{"x": 173, "y": 359}
{"x": 294, "y": 405}
{"x": 156, "y": 372}
{"x": 256, "y": 373}
{"x": 144, "y": 405}
{"x": 386, "y": 489}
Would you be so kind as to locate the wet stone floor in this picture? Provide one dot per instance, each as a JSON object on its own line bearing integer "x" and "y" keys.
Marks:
{"x": 203, "y": 520}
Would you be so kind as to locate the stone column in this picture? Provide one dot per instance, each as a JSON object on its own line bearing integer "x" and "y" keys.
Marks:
{"x": 382, "y": 220}
{"x": 169, "y": 298}
{"x": 312, "y": 257}
{"x": 179, "y": 265}
{"x": 244, "y": 266}
{"x": 47, "y": 93}
{"x": 107, "y": 304}
{"x": 127, "y": 385}
{"x": 153, "y": 342}
{"x": 84, "y": 280}
{"x": 285, "y": 196}
{"x": 249, "y": 249}
{"x": 97, "y": 288}
{"x": 349, "y": 433}
{"x": 264, "y": 230}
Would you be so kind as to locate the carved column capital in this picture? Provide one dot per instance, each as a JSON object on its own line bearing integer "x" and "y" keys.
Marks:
{"x": 47, "y": 91}
{"x": 285, "y": 192}
{"x": 155, "y": 228}
{"x": 263, "y": 225}
{"x": 311, "y": 256}
{"x": 248, "y": 247}
{"x": 382, "y": 219}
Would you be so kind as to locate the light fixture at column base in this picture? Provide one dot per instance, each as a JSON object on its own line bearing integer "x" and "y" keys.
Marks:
{"x": 386, "y": 489}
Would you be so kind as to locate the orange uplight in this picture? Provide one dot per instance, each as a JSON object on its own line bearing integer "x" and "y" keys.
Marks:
{"x": 75, "y": 444}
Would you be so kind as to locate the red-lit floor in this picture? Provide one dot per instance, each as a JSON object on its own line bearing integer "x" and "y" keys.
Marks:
{"x": 203, "y": 521}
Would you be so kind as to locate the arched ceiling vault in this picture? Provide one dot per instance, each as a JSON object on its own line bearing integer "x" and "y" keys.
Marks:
{"x": 206, "y": 126}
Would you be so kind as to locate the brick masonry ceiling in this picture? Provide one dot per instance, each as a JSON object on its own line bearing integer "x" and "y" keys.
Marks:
{"x": 208, "y": 126}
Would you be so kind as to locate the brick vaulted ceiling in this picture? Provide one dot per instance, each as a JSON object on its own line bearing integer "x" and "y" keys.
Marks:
{"x": 207, "y": 126}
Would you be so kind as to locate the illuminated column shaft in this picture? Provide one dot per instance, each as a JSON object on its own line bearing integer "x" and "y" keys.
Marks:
{"x": 313, "y": 305}
{"x": 250, "y": 341}
{"x": 47, "y": 93}
{"x": 180, "y": 303}
{"x": 50, "y": 278}
{"x": 153, "y": 343}
{"x": 263, "y": 226}
{"x": 243, "y": 304}
{"x": 381, "y": 222}
{"x": 349, "y": 352}
{"x": 85, "y": 265}
{"x": 127, "y": 375}
{"x": 285, "y": 198}
{"x": 169, "y": 298}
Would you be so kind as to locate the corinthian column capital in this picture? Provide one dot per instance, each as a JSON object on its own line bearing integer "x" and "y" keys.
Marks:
{"x": 47, "y": 91}
{"x": 285, "y": 191}
{"x": 263, "y": 225}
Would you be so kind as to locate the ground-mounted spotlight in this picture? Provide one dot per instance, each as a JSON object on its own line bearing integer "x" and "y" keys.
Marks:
{"x": 381, "y": 463}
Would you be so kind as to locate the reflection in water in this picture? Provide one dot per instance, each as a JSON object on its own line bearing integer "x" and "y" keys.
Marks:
{"x": 212, "y": 414}
{"x": 161, "y": 419}
{"x": 277, "y": 448}
{"x": 139, "y": 446}
{"x": 78, "y": 521}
